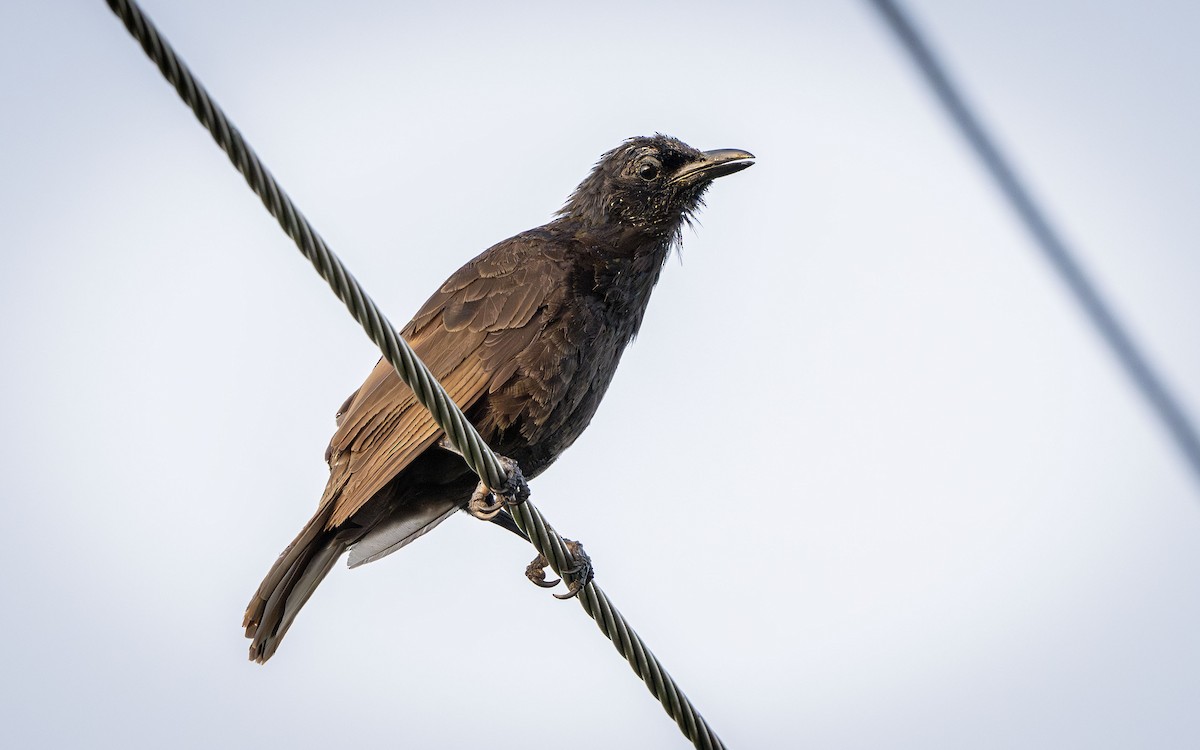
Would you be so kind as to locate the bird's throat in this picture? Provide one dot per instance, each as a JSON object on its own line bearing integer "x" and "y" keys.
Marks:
{"x": 623, "y": 280}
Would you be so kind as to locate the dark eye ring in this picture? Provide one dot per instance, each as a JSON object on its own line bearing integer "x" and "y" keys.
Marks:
{"x": 649, "y": 169}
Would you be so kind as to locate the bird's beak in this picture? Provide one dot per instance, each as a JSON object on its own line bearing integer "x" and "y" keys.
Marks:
{"x": 714, "y": 164}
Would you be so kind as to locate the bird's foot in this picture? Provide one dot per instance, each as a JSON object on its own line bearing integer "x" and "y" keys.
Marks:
{"x": 580, "y": 571}
{"x": 485, "y": 504}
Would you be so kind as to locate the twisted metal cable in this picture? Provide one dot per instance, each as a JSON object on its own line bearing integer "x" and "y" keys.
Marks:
{"x": 413, "y": 372}
{"x": 617, "y": 629}
{"x": 397, "y": 351}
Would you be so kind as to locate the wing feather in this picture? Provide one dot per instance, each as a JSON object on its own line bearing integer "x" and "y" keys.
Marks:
{"x": 469, "y": 334}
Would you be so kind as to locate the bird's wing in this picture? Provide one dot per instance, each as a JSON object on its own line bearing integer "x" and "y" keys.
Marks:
{"x": 469, "y": 335}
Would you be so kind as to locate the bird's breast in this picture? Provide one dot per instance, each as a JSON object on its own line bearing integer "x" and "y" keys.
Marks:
{"x": 561, "y": 378}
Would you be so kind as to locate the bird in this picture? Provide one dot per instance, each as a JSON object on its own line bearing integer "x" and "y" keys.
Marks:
{"x": 525, "y": 338}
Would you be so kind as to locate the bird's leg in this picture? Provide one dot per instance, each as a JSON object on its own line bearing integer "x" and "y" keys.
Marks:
{"x": 488, "y": 505}
{"x": 485, "y": 503}
{"x": 580, "y": 572}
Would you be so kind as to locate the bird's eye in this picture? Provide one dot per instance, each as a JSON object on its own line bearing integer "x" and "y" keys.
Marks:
{"x": 649, "y": 169}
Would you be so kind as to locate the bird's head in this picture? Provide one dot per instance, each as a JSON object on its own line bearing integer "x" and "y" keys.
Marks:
{"x": 651, "y": 184}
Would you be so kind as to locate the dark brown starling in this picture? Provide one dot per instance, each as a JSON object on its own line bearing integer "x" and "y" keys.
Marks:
{"x": 525, "y": 338}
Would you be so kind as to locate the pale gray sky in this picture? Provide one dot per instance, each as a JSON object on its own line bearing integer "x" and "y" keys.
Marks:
{"x": 866, "y": 480}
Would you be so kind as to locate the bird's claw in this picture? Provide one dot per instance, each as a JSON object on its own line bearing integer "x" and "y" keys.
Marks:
{"x": 536, "y": 572}
{"x": 580, "y": 572}
{"x": 485, "y": 504}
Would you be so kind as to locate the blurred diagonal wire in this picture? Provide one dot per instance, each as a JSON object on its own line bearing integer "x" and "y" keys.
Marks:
{"x": 1121, "y": 342}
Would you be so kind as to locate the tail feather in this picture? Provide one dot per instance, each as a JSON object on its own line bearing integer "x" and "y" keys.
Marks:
{"x": 288, "y": 585}
{"x": 311, "y": 555}
{"x": 389, "y": 535}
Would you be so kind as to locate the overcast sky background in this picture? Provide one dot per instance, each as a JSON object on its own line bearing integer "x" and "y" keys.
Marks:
{"x": 867, "y": 479}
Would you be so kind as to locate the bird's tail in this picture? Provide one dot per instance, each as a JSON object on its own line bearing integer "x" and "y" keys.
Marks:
{"x": 289, "y": 583}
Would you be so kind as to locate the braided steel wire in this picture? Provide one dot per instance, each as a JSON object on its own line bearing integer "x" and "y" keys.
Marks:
{"x": 410, "y": 368}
